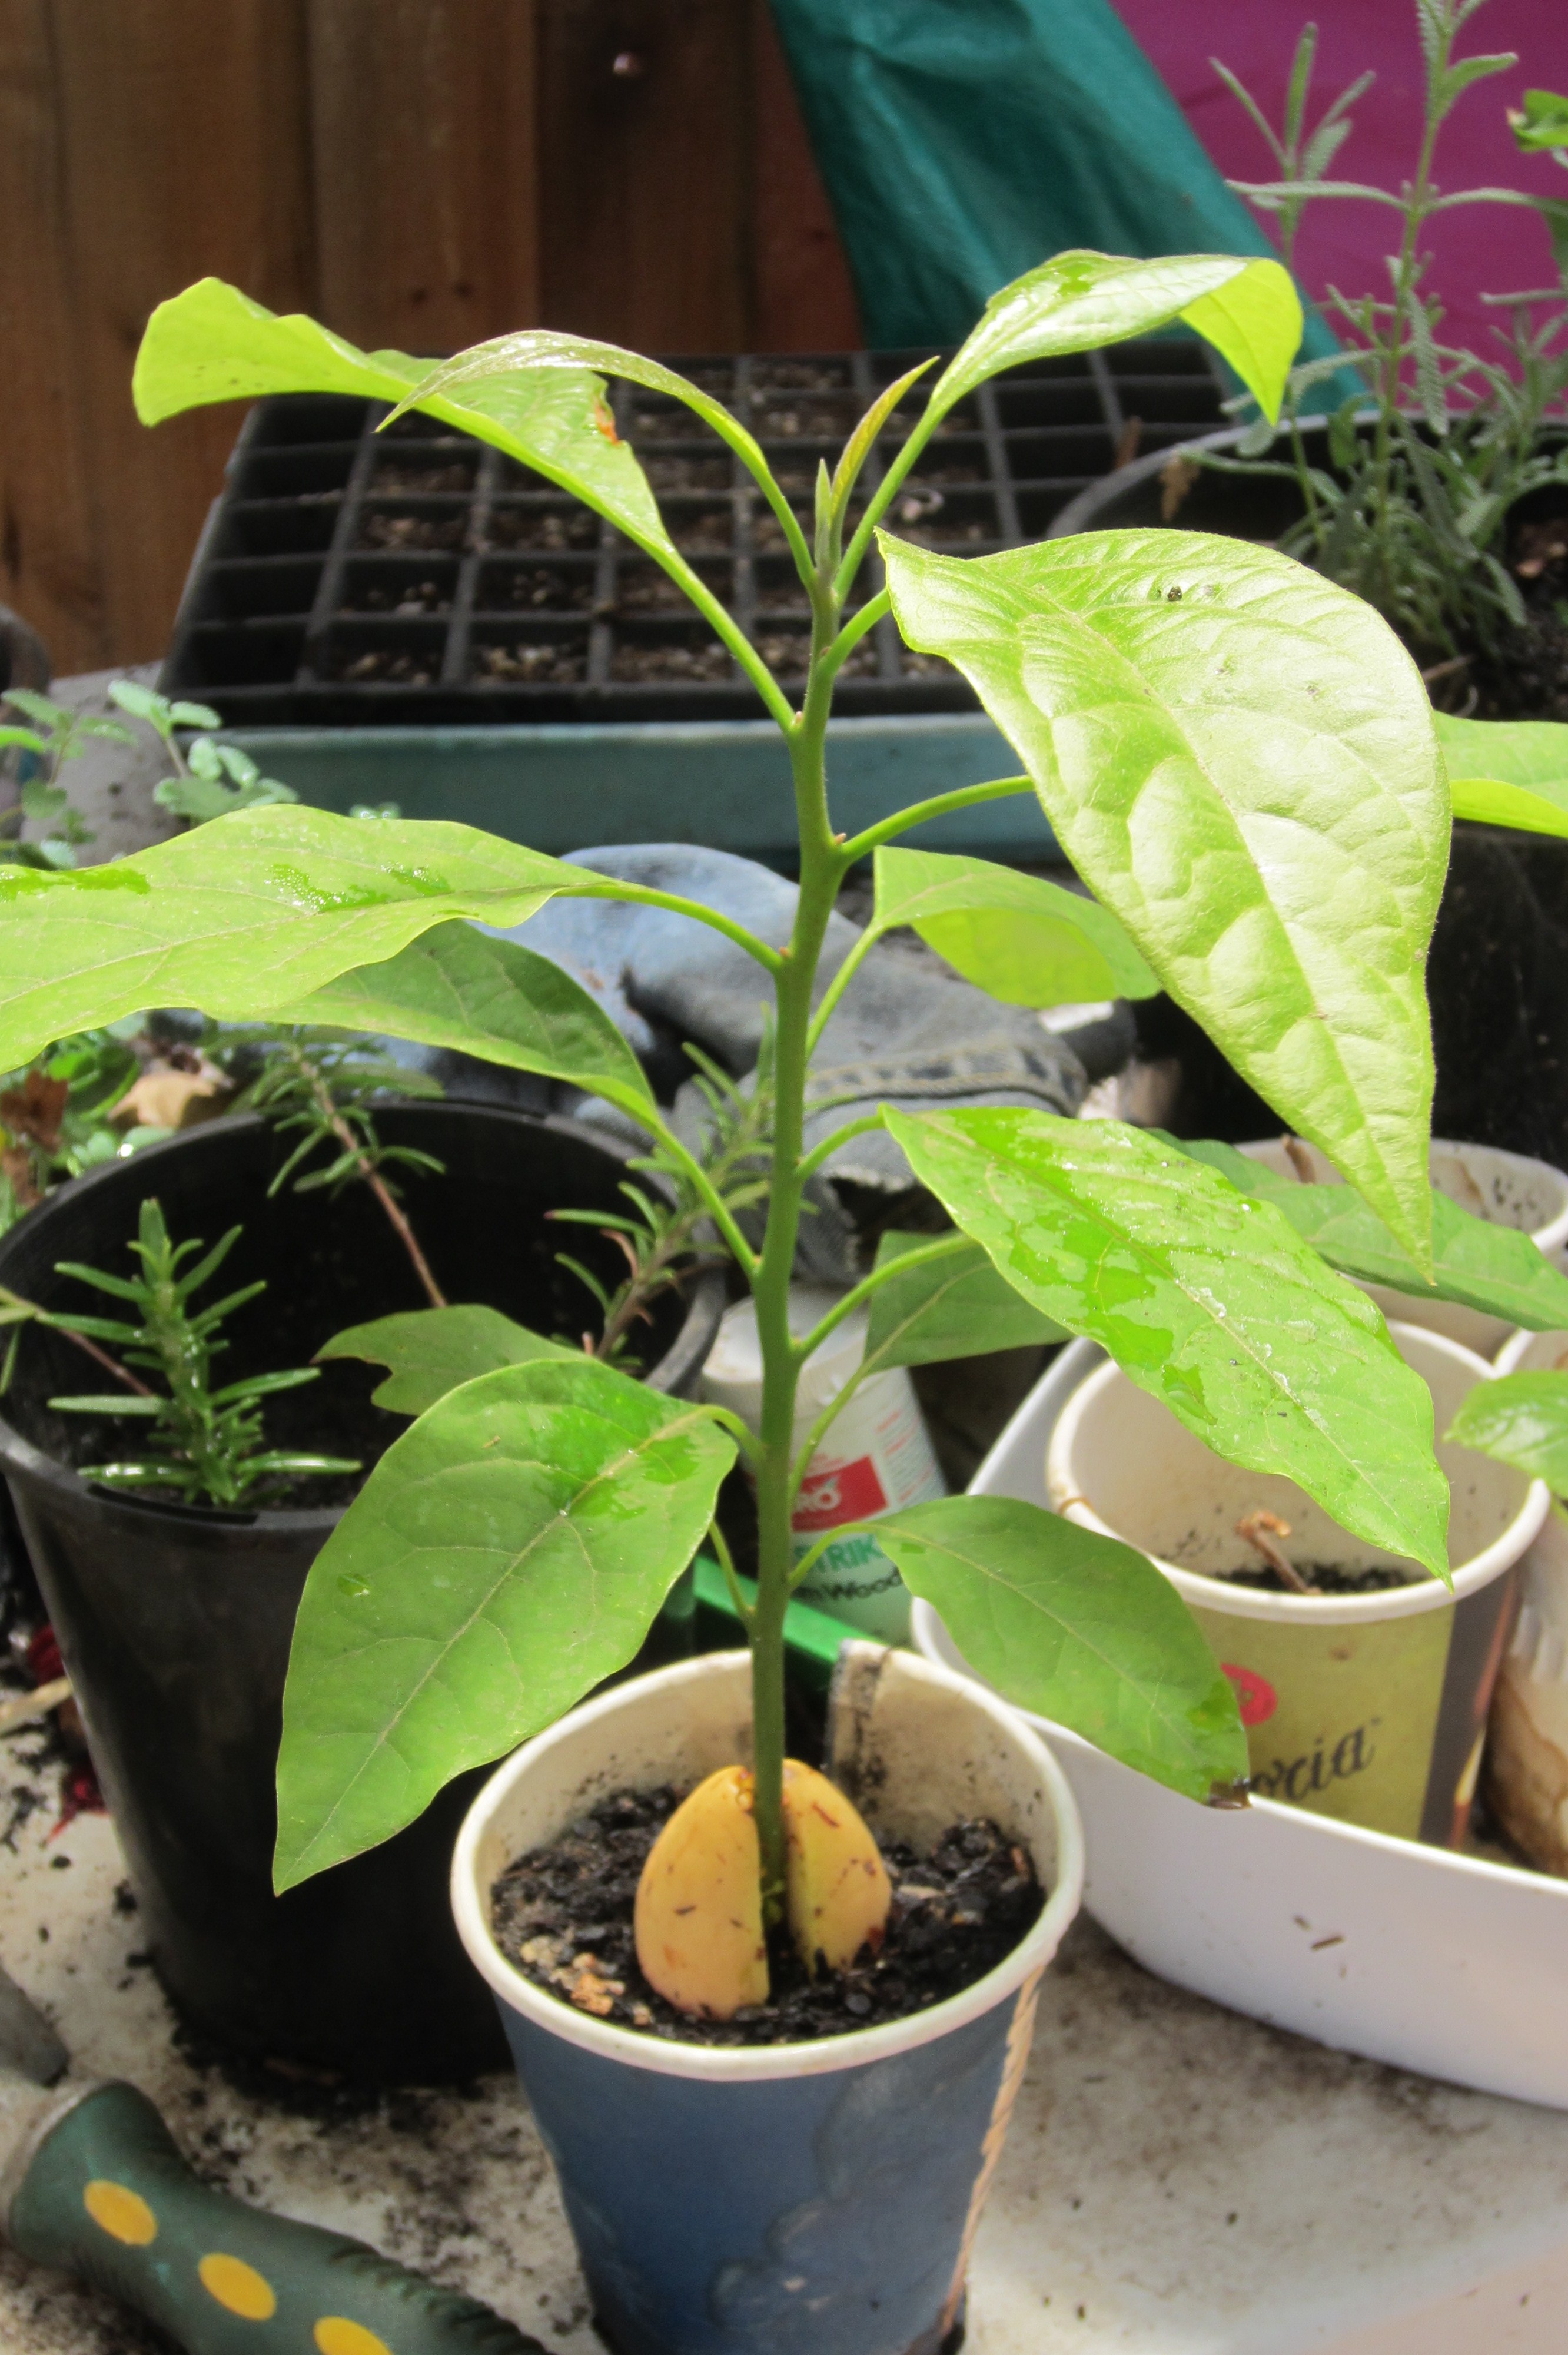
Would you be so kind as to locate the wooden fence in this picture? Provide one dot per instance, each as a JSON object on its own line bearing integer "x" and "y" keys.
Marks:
{"x": 418, "y": 173}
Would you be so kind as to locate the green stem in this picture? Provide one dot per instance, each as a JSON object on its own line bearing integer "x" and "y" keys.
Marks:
{"x": 1418, "y": 204}
{"x": 853, "y": 630}
{"x": 729, "y": 630}
{"x": 999, "y": 789}
{"x": 883, "y": 496}
{"x": 830, "y": 1145}
{"x": 839, "y": 983}
{"x": 743, "y": 1610}
{"x": 948, "y": 1246}
{"x": 644, "y": 896}
{"x": 646, "y": 1117}
{"x": 822, "y": 871}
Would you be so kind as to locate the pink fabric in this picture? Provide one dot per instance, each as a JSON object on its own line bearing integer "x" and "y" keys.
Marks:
{"x": 1478, "y": 249}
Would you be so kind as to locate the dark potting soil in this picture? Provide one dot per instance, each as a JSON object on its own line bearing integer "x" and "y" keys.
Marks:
{"x": 1528, "y": 676}
{"x": 563, "y": 1914}
{"x": 1328, "y": 1577}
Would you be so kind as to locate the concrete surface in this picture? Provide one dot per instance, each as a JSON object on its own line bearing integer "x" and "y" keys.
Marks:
{"x": 1177, "y": 2180}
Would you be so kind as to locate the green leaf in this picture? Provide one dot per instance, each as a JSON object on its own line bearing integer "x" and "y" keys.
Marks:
{"x": 953, "y": 1307}
{"x": 1510, "y": 773}
{"x": 1492, "y": 1268}
{"x": 1522, "y": 1420}
{"x": 462, "y": 989}
{"x": 508, "y": 1552}
{"x": 429, "y": 1351}
{"x": 1019, "y": 937}
{"x": 1248, "y": 309}
{"x": 1207, "y": 1298}
{"x": 516, "y": 367}
{"x": 1540, "y": 124}
{"x": 1079, "y": 1628}
{"x": 1238, "y": 757}
{"x": 212, "y": 343}
{"x": 248, "y": 914}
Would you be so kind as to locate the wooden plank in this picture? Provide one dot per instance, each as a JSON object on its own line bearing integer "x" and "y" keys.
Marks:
{"x": 423, "y": 140}
{"x": 644, "y": 171}
{"x": 184, "y": 152}
{"x": 803, "y": 299}
{"x": 48, "y": 550}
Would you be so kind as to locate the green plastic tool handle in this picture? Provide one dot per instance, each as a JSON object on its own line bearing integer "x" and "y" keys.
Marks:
{"x": 108, "y": 2197}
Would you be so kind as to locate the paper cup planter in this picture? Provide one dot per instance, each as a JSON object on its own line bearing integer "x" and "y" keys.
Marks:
{"x": 1369, "y": 1707}
{"x": 805, "y": 2198}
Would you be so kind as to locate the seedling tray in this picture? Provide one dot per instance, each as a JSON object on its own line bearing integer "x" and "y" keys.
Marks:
{"x": 420, "y": 578}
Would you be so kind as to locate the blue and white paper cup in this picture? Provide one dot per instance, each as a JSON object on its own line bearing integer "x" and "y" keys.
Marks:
{"x": 807, "y": 2199}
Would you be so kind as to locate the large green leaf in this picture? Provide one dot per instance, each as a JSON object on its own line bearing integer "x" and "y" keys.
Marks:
{"x": 248, "y": 915}
{"x": 506, "y": 1553}
{"x": 1495, "y": 1269}
{"x": 1205, "y": 1297}
{"x": 956, "y": 1306}
{"x": 1510, "y": 773}
{"x": 1522, "y": 1420}
{"x": 1248, "y": 308}
{"x": 1016, "y": 936}
{"x": 1079, "y": 1628}
{"x": 1238, "y": 757}
{"x": 212, "y": 343}
{"x": 464, "y": 988}
{"x": 429, "y": 1351}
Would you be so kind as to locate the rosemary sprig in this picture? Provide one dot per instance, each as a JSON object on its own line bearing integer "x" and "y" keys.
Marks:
{"x": 208, "y": 1444}
{"x": 661, "y": 1236}
{"x": 321, "y": 1086}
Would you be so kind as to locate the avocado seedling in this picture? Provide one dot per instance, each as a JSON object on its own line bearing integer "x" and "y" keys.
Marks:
{"x": 1239, "y": 759}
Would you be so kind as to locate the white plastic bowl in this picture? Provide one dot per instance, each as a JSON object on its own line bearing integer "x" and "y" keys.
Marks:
{"x": 1407, "y": 1954}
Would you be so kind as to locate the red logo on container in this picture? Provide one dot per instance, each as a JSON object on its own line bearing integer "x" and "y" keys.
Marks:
{"x": 1256, "y": 1697}
{"x": 849, "y": 1492}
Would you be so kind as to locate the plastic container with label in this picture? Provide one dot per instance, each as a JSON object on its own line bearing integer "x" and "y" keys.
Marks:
{"x": 875, "y": 1455}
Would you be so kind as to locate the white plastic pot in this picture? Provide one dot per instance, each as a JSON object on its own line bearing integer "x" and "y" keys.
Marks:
{"x": 1407, "y": 1954}
{"x": 809, "y": 2199}
{"x": 1509, "y": 1189}
{"x": 1369, "y": 1707}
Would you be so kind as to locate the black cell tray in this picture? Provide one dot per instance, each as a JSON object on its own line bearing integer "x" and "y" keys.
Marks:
{"x": 351, "y": 578}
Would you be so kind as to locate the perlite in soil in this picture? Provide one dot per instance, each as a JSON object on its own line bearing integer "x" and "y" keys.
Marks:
{"x": 875, "y": 1457}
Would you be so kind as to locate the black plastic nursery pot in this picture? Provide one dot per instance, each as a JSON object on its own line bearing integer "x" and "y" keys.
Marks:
{"x": 174, "y": 1622}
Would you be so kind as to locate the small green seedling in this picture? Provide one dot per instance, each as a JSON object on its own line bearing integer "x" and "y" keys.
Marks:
{"x": 54, "y": 735}
{"x": 210, "y": 779}
{"x": 208, "y": 1444}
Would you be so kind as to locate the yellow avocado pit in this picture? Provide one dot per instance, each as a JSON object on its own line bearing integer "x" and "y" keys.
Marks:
{"x": 837, "y": 1892}
{"x": 698, "y": 1918}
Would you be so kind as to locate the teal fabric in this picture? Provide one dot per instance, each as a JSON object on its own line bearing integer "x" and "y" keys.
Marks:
{"x": 963, "y": 141}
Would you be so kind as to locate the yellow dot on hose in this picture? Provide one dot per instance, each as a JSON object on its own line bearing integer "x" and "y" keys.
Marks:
{"x": 336, "y": 2335}
{"x": 238, "y": 2287}
{"x": 121, "y": 2212}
